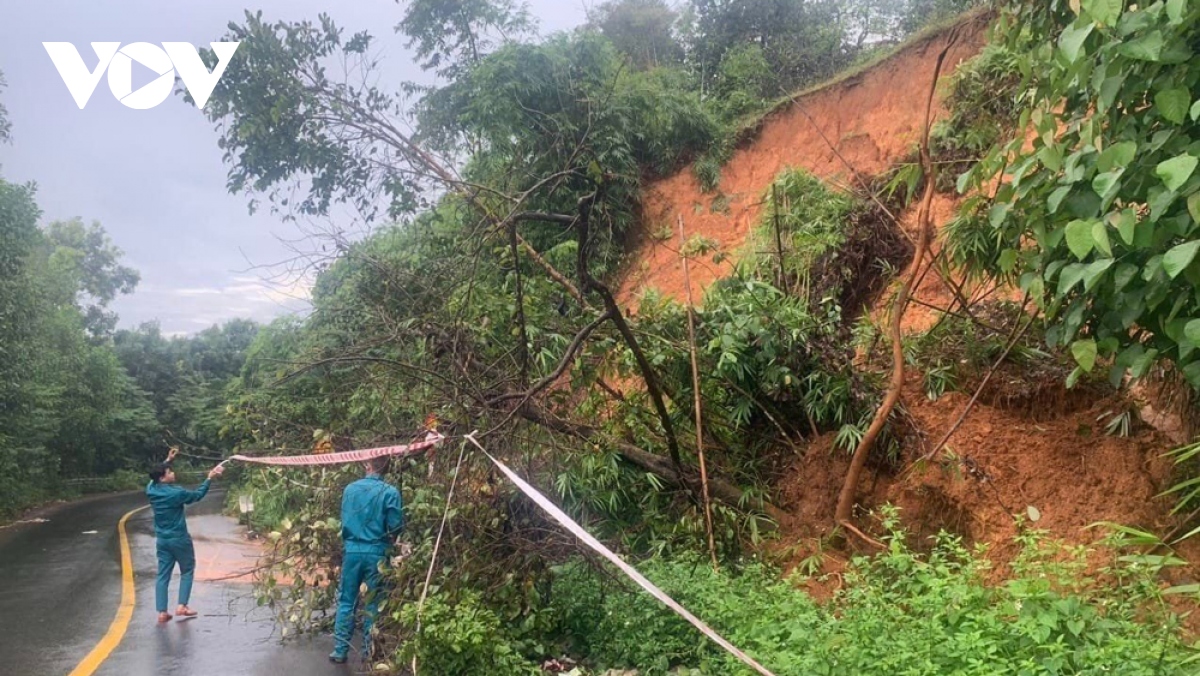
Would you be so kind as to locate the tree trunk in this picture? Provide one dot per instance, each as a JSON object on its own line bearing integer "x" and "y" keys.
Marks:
{"x": 844, "y": 514}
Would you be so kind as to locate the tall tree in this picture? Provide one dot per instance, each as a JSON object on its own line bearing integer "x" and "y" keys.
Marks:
{"x": 643, "y": 30}
{"x": 24, "y": 394}
{"x": 187, "y": 378}
{"x": 801, "y": 39}
{"x": 85, "y": 255}
{"x": 453, "y": 36}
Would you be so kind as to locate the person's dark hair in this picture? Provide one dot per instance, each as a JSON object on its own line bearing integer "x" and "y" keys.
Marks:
{"x": 379, "y": 465}
{"x": 158, "y": 471}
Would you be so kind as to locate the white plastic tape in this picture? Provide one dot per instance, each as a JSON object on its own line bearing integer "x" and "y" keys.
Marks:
{"x": 568, "y": 523}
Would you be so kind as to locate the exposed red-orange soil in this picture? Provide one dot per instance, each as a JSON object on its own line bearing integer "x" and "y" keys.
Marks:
{"x": 1067, "y": 467}
{"x": 873, "y": 119}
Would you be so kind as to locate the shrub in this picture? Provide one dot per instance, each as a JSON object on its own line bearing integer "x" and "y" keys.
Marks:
{"x": 835, "y": 246}
{"x": 462, "y": 637}
{"x": 983, "y": 103}
{"x": 708, "y": 172}
{"x": 744, "y": 82}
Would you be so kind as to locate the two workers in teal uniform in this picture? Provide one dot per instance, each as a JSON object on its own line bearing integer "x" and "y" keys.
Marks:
{"x": 173, "y": 542}
{"x": 372, "y": 518}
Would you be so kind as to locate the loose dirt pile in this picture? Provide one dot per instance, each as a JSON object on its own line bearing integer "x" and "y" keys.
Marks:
{"x": 1068, "y": 468}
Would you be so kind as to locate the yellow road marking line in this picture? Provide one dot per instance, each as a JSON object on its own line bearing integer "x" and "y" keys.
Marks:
{"x": 116, "y": 630}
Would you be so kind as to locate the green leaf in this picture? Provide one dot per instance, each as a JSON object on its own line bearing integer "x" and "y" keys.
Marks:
{"x": 1071, "y": 40}
{"x": 1007, "y": 260}
{"x": 1175, "y": 10}
{"x": 1051, "y": 157}
{"x": 1117, "y": 156}
{"x": 1147, "y": 47}
{"x": 1126, "y": 224}
{"x": 1193, "y": 205}
{"x": 1152, "y": 267}
{"x": 1178, "y": 258}
{"x": 1109, "y": 90}
{"x": 1100, "y": 237}
{"x": 1191, "y": 331}
{"x": 1195, "y": 111}
{"x": 998, "y": 213}
{"x": 1176, "y": 171}
{"x": 1056, "y": 198}
{"x": 1124, "y": 275}
{"x": 1185, "y": 536}
{"x": 1079, "y": 238}
{"x": 964, "y": 181}
{"x": 1106, "y": 184}
{"x": 1173, "y": 104}
{"x": 1105, "y": 12}
{"x": 1084, "y": 352}
{"x": 1192, "y": 373}
{"x": 1142, "y": 364}
{"x": 1093, "y": 272}
{"x": 1069, "y": 277}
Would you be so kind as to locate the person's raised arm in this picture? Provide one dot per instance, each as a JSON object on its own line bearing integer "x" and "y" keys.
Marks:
{"x": 202, "y": 490}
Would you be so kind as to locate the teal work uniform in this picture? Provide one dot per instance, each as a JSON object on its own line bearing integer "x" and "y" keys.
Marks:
{"x": 174, "y": 544}
{"x": 372, "y": 517}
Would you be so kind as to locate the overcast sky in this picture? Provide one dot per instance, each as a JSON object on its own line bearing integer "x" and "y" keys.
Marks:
{"x": 154, "y": 178}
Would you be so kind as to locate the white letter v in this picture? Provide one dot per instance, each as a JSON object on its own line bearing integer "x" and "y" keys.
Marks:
{"x": 75, "y": 74}
{"x": 196, "y": 77}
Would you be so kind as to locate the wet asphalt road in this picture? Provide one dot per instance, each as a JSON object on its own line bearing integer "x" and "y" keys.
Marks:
{"x": 60, "y": 587}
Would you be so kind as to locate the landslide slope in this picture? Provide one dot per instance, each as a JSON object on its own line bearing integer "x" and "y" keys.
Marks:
{"x": 1049, "y": 452}
{"x": 871, "y": 118}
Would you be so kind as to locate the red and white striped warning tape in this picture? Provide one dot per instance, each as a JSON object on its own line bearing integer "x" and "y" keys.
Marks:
{"x": 339, "y": 458}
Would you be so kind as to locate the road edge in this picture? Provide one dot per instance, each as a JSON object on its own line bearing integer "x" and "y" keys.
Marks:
{"x": 116, "y": 630}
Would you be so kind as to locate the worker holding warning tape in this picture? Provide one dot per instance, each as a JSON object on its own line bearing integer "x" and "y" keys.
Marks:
{"x": 172, "y": 540}
{"x": 372, "y": 520}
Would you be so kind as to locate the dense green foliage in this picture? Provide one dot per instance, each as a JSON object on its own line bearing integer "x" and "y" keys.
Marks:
{"x": 898, "y": 613}
{"x": 1098, "y": 220}
{"x": 1096, "y": 215}
{"x": 67, "y": 407}
{"x": 511, "y": 111}
{"x": 187, "y": 379}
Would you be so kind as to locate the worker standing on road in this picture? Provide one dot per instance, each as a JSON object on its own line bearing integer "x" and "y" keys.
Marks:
{"x": 372, "y": 518}
{"x": 174, "y": 544}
